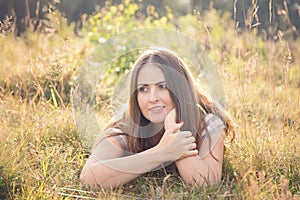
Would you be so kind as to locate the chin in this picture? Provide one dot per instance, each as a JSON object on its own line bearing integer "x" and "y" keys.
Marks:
{"x": 157, "y": 120}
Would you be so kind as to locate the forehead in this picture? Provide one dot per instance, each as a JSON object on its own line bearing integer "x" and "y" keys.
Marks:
{"x": 149, "y": 74}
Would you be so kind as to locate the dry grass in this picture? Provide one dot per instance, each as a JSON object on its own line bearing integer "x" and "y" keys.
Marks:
{"x": 41, "y": 154}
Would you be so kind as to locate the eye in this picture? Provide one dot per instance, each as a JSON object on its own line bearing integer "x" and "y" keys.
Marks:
{"x": 163, "y": 86}
{"x": 142, "y": 89}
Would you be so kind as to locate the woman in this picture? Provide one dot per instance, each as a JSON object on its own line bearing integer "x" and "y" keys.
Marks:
{"x": 169, "y": 124}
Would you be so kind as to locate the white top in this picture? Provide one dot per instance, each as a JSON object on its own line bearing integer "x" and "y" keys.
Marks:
{"x": 212, "y": 135}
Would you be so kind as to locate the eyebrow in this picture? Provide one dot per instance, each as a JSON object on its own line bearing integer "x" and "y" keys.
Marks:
{"x": 143, "y": 84}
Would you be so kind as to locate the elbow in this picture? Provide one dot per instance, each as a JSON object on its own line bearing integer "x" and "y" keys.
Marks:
{"x": 85, "y": 178}
{"x": 195, "y": 181}
{"x": 203, "y": 180}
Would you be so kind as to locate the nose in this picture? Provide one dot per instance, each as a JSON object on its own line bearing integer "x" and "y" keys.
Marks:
{"x": 153, "y": 95}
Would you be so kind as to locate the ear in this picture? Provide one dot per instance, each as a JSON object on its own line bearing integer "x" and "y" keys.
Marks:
{"x": 170, "y": 119}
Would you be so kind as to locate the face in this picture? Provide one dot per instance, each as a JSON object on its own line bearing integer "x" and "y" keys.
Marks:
{"x": 153, "y": 96}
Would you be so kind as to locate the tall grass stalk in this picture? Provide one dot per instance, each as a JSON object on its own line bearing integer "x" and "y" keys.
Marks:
{"x": 42, "y": 155}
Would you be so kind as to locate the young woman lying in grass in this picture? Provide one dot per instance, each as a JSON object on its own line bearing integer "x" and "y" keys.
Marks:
{"x": 169, "y": 124}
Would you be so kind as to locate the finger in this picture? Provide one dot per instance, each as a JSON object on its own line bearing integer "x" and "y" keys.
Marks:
{"x": 175, "y": 127}
{"x": 192, "y": 153}
{"x": 189, "y": 153}
{"x": 186, "y": 133}
{"x": 193, "y": 146}
{"x": 190, "y": 140}
{"x": 170, "y": 119}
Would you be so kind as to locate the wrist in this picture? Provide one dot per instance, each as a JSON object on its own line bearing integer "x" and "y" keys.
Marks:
{"x": 163, "y": 154}
{"x": 158, "y": 154}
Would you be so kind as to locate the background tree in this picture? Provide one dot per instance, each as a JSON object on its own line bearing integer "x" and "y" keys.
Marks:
{"x": 271, "y": 17}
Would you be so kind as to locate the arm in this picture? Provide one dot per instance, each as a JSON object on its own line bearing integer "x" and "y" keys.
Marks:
{"x": 108, "y": 168}
{"x": 202, "y": 171}
{"x": 204, "y": 168}
{"x": 116, "y": 170}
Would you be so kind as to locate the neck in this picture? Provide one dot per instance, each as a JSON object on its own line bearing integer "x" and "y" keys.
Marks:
{"x": 157, "y": 132}
{"x": 156, "y": 127}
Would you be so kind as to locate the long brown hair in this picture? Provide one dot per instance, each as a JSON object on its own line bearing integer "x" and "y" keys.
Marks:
{"x": 191, "y": 106}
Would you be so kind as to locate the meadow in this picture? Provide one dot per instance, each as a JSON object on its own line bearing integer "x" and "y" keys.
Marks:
{"x": 42, "y": 154}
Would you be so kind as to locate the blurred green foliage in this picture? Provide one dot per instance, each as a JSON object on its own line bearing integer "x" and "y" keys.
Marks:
{"x": 116, "y": 19}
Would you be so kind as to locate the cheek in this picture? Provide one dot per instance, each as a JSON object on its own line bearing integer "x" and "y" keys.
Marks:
{"x": 141, "y": 100}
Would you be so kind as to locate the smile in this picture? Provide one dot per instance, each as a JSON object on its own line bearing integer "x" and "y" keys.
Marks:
{"x": 156, "y": 108}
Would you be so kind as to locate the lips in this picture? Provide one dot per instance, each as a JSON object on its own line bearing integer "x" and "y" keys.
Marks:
{"x": 157, "y": 113}
{"x": 156, "y": 108}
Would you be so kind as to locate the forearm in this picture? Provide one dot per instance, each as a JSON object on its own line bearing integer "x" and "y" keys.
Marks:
{"x": 108, "y": 168}
{"x": 118, "y": 171}
{"x": 207, "y": 168}
{"x": 200, "y": 172}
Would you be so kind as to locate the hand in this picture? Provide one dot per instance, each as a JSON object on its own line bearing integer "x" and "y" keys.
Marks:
{"x": 176, "y": 144}
{"x": 170, "y": 119}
